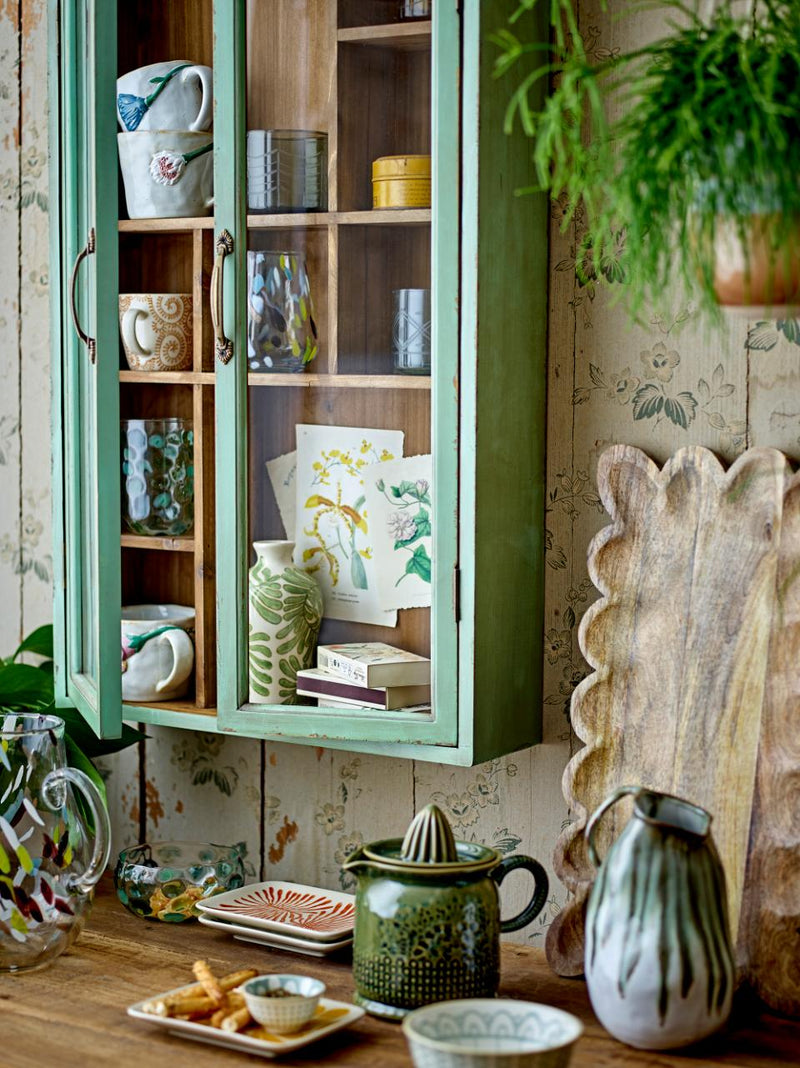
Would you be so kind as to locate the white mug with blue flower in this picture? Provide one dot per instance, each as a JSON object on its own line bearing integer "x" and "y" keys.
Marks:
{"x": 173, "y": 95}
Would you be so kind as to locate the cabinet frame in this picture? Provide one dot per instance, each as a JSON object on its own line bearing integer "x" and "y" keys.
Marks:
{"x": 86, "y": 417}
{"x": 487, "y": 424}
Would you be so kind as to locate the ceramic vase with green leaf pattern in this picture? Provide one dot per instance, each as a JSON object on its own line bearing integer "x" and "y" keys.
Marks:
{"x": 285, "y": 612}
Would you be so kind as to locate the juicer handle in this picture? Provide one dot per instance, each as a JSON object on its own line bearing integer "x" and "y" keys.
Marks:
{"x": 541, "y": 885}
{"x": 55, "y": 795}
{"x": 591, "y": 826}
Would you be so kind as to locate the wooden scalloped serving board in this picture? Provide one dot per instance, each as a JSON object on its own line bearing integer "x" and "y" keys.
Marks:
{"x": 680, "y": 643}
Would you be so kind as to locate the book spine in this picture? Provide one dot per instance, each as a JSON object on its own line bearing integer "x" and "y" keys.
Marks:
{"x": 342, "y": 666}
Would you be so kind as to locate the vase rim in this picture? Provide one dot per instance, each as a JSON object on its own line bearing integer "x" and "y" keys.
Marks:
{"x": 672, "y": 813}
{"x": 31, "y": 723}
{"x": 272, "y": 543}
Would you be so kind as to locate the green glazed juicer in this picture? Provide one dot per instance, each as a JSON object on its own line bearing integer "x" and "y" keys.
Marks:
{"x": 428, "y": 924}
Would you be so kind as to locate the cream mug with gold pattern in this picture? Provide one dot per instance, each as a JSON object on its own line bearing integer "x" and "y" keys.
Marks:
{"x": 156, "y": 330}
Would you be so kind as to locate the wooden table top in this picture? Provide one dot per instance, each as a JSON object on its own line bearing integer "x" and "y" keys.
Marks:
{"x": 72, "y": 1013}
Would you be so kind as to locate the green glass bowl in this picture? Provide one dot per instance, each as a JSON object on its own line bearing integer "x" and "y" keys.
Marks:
{"x": 165, "y": 880}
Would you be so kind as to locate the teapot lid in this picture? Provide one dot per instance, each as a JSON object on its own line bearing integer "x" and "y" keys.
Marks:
{"x": 429, "y": 847}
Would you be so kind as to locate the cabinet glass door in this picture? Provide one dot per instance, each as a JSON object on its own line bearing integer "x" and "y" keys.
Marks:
{"x": 88, "y": 660}
{"x": 337, "y": 414}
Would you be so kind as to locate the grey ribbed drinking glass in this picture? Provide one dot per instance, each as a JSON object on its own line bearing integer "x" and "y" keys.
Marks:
{"x": 287, "y": 170}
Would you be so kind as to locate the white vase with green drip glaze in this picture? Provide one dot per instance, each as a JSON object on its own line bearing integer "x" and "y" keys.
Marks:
{"x": 659, "y": 963}
{"x": 285, "y": 612}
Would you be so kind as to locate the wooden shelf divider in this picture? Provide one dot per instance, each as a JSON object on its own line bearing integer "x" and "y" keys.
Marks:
{"x": 166, "y": 226}
{"x": 319, "y": 220}
{"x": 150, "y": 541}
{"x": 409, "y": 36}
{"x": 339, "y": 381}
{"x": 169, "y": 378}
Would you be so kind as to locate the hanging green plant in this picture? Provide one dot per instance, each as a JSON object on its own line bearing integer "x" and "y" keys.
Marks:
{"x": 680, "y": 158}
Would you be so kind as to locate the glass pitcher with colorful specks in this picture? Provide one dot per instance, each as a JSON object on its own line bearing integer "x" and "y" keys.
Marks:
{"x": 49, "y": 861}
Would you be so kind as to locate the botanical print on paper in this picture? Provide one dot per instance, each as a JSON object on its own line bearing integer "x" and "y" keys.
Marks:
{"x": 334, "y": 537}
{"x": 399, "y": 505}
{"x": 282, "y": 473}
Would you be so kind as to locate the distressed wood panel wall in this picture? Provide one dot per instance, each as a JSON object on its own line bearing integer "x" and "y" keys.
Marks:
{"x": 301, "y": 810}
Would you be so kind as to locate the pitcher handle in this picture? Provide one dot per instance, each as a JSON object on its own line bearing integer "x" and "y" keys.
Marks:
{"x": 541, "y": 885}
{"x": 54, "y": 794}
{"x": 591, "y": 826}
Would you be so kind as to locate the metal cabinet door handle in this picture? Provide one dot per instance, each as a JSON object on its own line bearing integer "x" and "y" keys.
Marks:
{"x": 223, "y": 247}
{"x": 87, "y": 250}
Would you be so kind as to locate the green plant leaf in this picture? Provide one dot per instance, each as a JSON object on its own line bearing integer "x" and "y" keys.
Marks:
{"x": 358, "y": 573}
{"x": 418, "y": 564}
{"x": 76, "y": 758}
{"x": 423, "y": 524}
{"x": 87, "y": 741}
{"x": 23, "y": 686}
{"x": 39, "y": 641}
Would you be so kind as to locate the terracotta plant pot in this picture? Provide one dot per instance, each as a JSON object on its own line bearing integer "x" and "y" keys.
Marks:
{"x": 763, "y": 273}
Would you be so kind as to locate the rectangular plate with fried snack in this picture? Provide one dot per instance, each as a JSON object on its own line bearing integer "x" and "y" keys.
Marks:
{"x": 330, "y": 1016}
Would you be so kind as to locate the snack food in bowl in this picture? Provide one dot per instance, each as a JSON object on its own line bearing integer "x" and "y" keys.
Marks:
{"x": 485, "y": 1032}
{"x": 282, "y": 1003}
{"x": 165, "y": 880}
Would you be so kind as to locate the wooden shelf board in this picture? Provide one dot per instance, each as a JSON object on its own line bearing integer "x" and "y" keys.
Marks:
{"x": 290, "y": 220}
{"x": 183, "y": 714}
{"x": 169, "y": 378}
{"x": 309, "y": 381}
{"x": 409, "y": 36}
{"x": 165, "y": 226}
{"x": 146, "y": 541}
{"x": 317, "y": 220}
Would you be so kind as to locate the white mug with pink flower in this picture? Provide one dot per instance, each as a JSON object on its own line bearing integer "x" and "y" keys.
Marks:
{"x": 167, "y": 173}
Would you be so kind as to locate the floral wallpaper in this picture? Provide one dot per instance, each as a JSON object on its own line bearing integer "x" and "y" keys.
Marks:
{"x": 25, "y": 555}
{"x": 667, "y": 381}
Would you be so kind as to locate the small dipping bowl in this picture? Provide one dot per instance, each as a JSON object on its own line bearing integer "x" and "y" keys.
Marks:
{"x": 484, "y": 1032}
{"x": 165, "y": 880}
{"x": 288, "y": 1010}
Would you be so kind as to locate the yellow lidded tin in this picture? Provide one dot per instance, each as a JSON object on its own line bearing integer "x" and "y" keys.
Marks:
{"x": 401, "y": 182}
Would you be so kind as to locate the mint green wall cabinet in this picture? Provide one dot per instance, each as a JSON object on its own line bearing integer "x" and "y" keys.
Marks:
{"x": 375, "y": 85}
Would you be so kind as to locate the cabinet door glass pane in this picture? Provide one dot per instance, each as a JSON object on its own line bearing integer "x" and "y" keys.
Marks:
{"x": 90, "y": 414}
{"x": 339, "y": 311}
{"x": 81, "y": 428}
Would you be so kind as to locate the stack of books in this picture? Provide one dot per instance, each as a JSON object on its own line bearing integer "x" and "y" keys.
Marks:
{"x": 368, "y": 675}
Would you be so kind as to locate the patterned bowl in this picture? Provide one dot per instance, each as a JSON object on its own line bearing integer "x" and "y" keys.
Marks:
{"x": 491, "y": 1033}
{"x": 165, "y": 880}
{"x": 283, "y": 1014}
